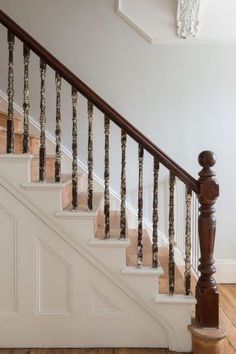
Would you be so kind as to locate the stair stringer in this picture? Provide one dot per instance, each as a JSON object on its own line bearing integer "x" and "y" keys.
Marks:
{"x": 175, "y": 340}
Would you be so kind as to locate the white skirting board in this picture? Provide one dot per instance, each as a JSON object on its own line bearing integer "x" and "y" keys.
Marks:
{"x": 225, "y": 271}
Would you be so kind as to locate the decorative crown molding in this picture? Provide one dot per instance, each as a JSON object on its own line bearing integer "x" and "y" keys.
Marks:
{"x": 185, "y": 22}
{"x": 188, "y": 18}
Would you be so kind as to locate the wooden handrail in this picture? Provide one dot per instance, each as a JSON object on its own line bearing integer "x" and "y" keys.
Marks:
{"x": 103, "y": 106}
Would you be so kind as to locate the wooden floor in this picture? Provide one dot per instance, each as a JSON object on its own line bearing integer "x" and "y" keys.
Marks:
{"x": 228, "y": 314}
{"x": 87, "y": 351}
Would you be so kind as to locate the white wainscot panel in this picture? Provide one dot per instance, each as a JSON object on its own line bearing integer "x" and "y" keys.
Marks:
{"x": 8, "y": 262}
{"x": 101, "y": 305}
{"x": 53, "y": 282}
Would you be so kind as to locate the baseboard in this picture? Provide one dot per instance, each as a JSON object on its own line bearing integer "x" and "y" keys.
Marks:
{"x": 225, "y": 271}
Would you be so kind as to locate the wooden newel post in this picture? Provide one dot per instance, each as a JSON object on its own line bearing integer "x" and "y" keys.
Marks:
{"x": 207, "y": 308}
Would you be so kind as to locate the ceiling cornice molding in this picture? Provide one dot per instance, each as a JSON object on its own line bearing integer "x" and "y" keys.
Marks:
{"x": 187, "y": 21}
{"x": 188, "y": 18}
{"x": 182, "y": 23}
{"x": 132, "y": 23}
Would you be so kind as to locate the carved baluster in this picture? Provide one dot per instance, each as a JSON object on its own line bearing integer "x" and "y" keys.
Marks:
{"x": 171, "y": 235}
{"x": 207, "y": 308}
{"x": 123, "y": 186}
{"x": 90, "y": 155}
{"x": 58, "y": 128}
{"x": 187, "y": 274}
{"x": 106, "y": 179}
{"x": 74, "y": 95}
{"x": 10, "y": 93}
{"x": 155, "y": 214}
{"x": 42, "y": 148}
{"x": 140, "y": 210}
{"x": 26, "y": 105}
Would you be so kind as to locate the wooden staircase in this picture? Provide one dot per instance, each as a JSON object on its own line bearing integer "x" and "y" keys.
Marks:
{"x": 128, "y": 279}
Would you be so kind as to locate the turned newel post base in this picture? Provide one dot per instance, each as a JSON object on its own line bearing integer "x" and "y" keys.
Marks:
{"x": 208, "y": 340}
{"x": 207, "y": 308}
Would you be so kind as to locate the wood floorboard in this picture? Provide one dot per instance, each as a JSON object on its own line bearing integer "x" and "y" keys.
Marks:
{"x": 231, "y": 330}
{"x": 89, "y": 351}
{"x": 105, "y": 351}
{"x": 228, "y": 301}
{"x": 139, "y": 351}
{"x": 169, "y": 352}
{"x": 229, "y": 349}
{"x": 228, "y": 313}
{"x": 154, "y": 351}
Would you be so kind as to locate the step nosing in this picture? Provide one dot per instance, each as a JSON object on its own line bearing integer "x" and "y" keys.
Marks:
{"x": 16, "y": 156}
{"x": 76, "y": 214}
{"x": 44, "y": 185}
{"x": 180, "y": 299}
{"x": 119, "y": 243}
{"x": 132, "y": 270}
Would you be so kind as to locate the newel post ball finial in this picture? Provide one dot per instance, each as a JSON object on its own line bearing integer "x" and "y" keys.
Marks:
{"x": 207, "y": 308}
{"x": 207, "y": 159}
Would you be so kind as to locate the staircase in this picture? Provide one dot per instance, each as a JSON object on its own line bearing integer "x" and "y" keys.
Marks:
{"x": 74, "y": 273}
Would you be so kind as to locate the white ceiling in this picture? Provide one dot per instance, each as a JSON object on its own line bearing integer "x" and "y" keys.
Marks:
{"x": 156, "y": 21}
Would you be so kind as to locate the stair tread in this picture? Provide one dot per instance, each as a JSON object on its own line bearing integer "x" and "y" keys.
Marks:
{"x": 65, "y": 178}
{"x": 48, "y": 157}
{"x": 82, "y": 201}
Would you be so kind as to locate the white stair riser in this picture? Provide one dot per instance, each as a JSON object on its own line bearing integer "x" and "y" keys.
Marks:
{"x": 47, "y": 199}
{"x": 81, "y": 230}
{"x": 113, "y": 258}
{"x": 146, "y": 287}
{"x": 15, "y": 170}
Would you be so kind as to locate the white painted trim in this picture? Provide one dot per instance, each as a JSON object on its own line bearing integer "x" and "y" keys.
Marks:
{"x": 76, "y": 214}
{"x": 13, "y": 157}
{"x": 175, "y": 299}
{"x": 38, "y": 310}
{"x": 142, "y": 271}
{"x": 116, "y": 311}
{"x": 225, "y": 271}
{"x": 43, "y": 185}
{"x": 15, "y": 221}
{"x": 130, "y": 22}
{"x": 117, "y": 243}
